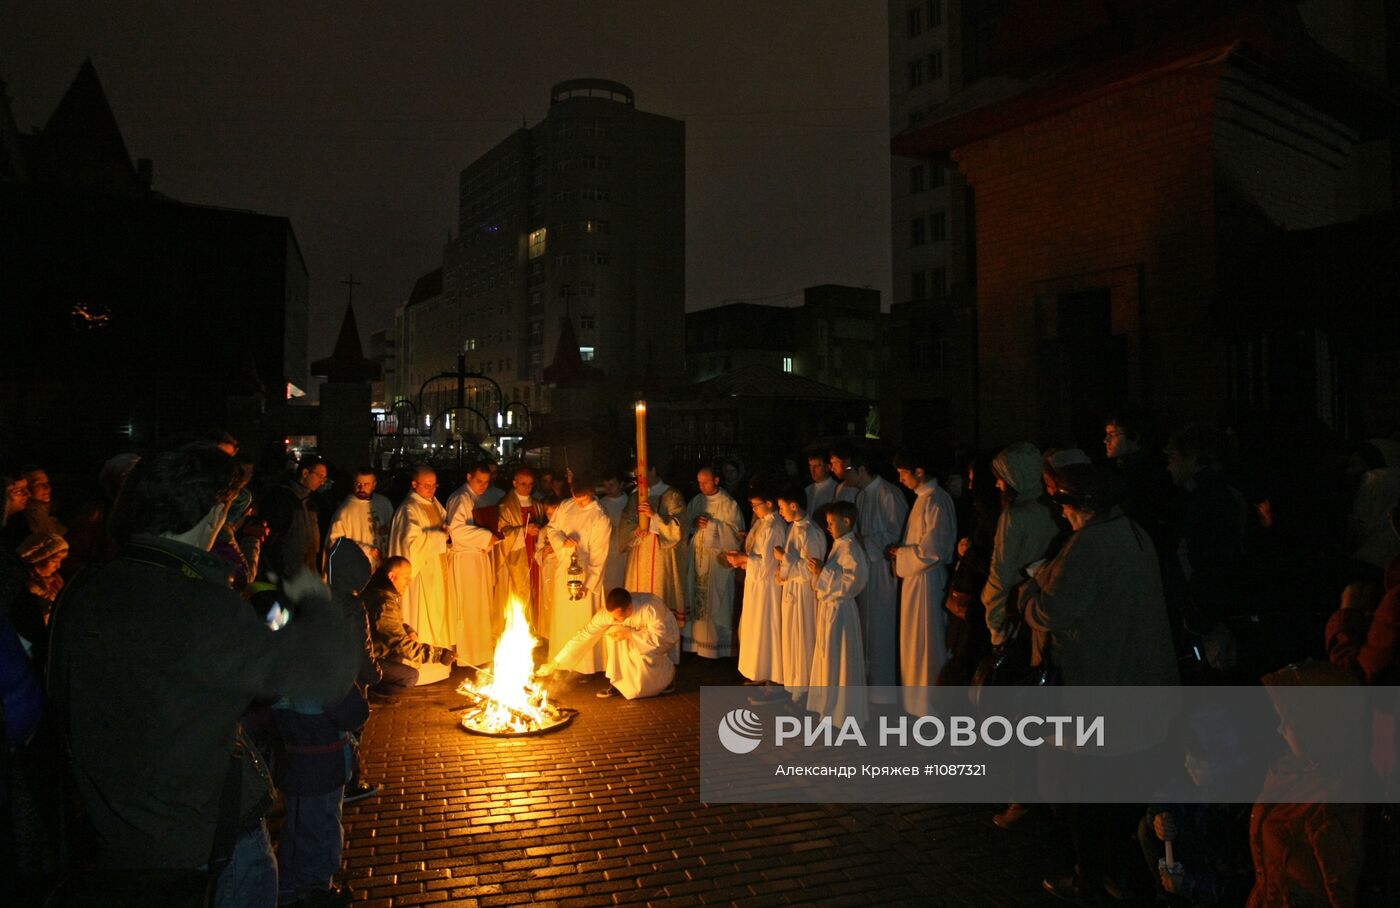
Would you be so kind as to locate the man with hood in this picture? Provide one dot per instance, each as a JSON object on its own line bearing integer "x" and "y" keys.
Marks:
{"x": 1024, "y": 530}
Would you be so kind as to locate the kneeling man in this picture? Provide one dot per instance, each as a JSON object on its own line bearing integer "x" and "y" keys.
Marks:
{"x": 637, "y": 631}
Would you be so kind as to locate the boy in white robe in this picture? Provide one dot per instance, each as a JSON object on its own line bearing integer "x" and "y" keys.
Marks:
{"x": 580, "y": 528}
{"x": 637, "y": 631}
{"x": 922, "y": 563}
{"x": 473, "y": 572}
{"x": 804, "y": 541}
{"x": 882, "y": 512}
{"x": 612, "y": 501}
{"x": 715, "y": 523}
{"x": 838, "y": 661}
{"x": 760, "y": 624}
{"x": 419, "y": 533}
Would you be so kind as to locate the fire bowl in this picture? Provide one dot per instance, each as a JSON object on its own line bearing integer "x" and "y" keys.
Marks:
{"x": 559, "y": 717}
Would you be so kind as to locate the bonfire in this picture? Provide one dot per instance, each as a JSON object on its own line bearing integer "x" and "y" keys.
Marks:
{"x": 506, "y": 700}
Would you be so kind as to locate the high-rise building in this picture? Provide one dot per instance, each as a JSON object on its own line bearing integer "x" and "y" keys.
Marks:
{"x": 579, "y": 217}
{"x": 931, "y": 231}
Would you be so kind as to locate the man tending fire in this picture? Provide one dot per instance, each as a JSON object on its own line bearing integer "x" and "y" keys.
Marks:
{"x": 637, "y": 631}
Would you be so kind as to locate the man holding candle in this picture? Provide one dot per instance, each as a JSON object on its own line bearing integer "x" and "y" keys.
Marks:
{"x": 655, "y": 555}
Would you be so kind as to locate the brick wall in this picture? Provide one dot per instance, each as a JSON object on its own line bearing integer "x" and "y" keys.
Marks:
{"x": 1115, "y": 193}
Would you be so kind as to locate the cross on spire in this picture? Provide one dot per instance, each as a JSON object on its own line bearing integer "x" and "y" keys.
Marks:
{"x": 350, "y": 285}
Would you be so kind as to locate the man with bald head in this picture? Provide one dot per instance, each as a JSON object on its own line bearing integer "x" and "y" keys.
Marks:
{"x": 419, "y": 533}
{"x": 715, "y": 522}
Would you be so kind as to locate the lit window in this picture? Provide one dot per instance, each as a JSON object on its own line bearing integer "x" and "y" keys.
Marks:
{"x": 787, "y": 363}
{"x": 585, "y": 354}
{"x": 537, "y": 243}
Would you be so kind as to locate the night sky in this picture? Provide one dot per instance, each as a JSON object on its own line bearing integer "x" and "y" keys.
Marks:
{"x": 353, "y": 119}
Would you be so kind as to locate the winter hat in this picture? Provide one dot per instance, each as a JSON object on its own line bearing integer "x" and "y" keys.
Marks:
{"x": 40, "y": 547}
{"x": 1089, "y": 486}
{"x": 1066, "y": 456}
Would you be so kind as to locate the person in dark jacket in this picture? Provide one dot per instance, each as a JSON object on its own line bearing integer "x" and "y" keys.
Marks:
{"x": 153, "y": 661}
{"x": 1099, "y": 614}
{"x": 968, "y": 640}
{"x": 294, "y": 526}
{"x": 394, "y": 644}
{"x": 1212, "y": 547}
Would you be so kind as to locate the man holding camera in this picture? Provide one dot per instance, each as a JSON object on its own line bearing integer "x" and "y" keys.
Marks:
{"x": 154, "y": 659}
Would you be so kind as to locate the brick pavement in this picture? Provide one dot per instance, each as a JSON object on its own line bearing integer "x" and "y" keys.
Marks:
{"x": 607, "y": 812}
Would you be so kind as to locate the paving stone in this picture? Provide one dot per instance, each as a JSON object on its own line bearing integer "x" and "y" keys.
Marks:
{"x": 607, "y": 812}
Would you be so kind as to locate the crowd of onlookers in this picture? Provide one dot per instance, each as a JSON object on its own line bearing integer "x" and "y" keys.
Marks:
{"x": 254, "y": 614}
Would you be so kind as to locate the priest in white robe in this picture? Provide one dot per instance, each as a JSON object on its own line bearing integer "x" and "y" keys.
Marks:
{"x": 921, "y": 561}
{"x": 822, "y": 490}
{"x": 655, "y": 557}
{"x": 473, "y": 572}
{"x": 883, "y": 510}
{"x": 580, "y": 530}
{"x": 843, "y": 462}
{"x": 419, "y": 533}
{"x": 521, "y": 527}
{"x": 637, "y": 632}
{"x": 715, "y": 523}
{"x": 363, "y": 517}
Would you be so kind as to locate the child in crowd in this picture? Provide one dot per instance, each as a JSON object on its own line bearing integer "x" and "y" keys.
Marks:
{"x": 760, "y": 625}
{"x": 805, "y": 541}
{"x": 838, "y": 660}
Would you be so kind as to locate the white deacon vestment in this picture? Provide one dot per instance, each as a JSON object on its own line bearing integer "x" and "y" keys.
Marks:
{"x": 819, "y": 494}
{"x": 637, "y": 664}
{"x": 799, "y": 607}
{"x": 882, "y": 512}
{"x": 761, "y": 623}
{"x": 366, "y": 523}
{"x": 838, "y": 661}
{"x": 473, "y": 580}
{"x": 615, "y": 572}
{"x": 655, "y": 561}
{"x": 588, "y": 526}
{"x": 922, "y": 563}
{"x": 709, "y": 630}
{"x": 418, "y": 534}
